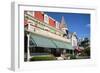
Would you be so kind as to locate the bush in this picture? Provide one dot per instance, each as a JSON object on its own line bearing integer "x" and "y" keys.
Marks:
{"x": 43, "y": 58}
{"x": 85, "y": 52}
{"x": 72, "y": 57}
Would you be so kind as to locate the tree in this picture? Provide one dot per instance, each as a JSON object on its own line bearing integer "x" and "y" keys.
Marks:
{"x": 86, "y": 44}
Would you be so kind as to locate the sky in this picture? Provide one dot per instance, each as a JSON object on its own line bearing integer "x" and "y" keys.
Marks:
{"x": 76, "y": 22}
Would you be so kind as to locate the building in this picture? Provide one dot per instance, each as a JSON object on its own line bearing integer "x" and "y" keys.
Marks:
{"x": 45, "y": 35}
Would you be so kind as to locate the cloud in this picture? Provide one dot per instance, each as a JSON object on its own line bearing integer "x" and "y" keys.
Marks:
{"x": 88, "y": 25}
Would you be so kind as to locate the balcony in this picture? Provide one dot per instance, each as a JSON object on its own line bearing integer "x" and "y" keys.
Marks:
{"x": 36, "y": 29}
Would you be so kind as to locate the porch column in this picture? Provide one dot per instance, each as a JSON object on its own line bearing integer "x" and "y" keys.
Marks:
{"x": 73, "y": 52}
{"x": 28, "y": 50}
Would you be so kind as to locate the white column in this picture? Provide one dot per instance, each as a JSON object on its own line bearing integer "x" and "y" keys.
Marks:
{"x": 28, "y": 50}
{"x": 64, "y": 51}
{"x": 73, "y": 52}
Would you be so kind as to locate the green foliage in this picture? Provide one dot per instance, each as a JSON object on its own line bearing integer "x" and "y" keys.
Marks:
{"x": 87, "y": 51}
{"x": 43, "y": 58}
{"x": 86, "y": 45}
{"x": 72, "y": 57}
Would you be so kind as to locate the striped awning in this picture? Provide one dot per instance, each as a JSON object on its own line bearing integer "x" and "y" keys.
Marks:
{"x": 64, "y": 45}
{"x": 42, "y": 41}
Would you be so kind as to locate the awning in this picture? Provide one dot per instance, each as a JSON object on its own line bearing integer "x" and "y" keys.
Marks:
{"x": 42, "y": 41}
{"x": 64, "y": 45}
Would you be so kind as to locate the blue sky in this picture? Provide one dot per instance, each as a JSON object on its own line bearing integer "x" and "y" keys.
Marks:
{"x": 76, "y": 22}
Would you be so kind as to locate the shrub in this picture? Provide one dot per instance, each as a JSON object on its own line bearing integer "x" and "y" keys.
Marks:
{"x": 72, "y": 57}
{"x": 43, "y": 58}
